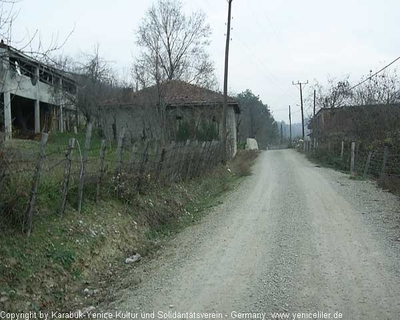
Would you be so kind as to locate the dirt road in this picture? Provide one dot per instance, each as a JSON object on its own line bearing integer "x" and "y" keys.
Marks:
{"x": 292, "y": 238}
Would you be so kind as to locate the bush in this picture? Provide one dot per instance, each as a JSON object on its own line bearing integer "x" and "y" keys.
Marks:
{"x": 14, "y": 191}
{"x": 243, "y": 161}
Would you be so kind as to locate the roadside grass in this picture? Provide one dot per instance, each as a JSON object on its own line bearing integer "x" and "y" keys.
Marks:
{"x": 390, "y": 183}
{"x": 329, "y": 160}
{"x": 58, "y": 143}
{"x": 357, "y": 177}
{"x": 326, "y": 159}
{"x": 244, "y": 161}
{"x": 63, "y": 256}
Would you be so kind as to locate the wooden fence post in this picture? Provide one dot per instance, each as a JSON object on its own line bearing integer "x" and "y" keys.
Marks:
{"x": 192, "y": 149}
{"x": 142, "y": 166}
{"x": 160, "y": 164}
{"x": 118, "y": 167}
{"x": 357, "y": 152}
{"x": 171, "y": 162}
{"x": 200, "y": 164}
{"x": 211, "y": 155}
{"x": 67, "y": 173}
{"x": 135, "y": 147}
{"x": 176, "y": 161}
{"x": 204, "y": 157}
{"x": 156, "y": 157}
{"x": 219, "y": 151}
{"x": 83, "y": 166}
{"x": 353, "y": 148}
{"x": 367, "y": 164}
{"x": 200, "y": 158}
{"x": 183, "y": 159}
{"x": 342, "y": 151}
{"x": 179, "y": 160}
{"x": 101, "y": 169}
{"x": 385, "y": 155}
{"x": 35, "y": 184}
{"x": 120, "y": 149}
{"x": 216, "y": 153}
{"x": 174, "y": 157}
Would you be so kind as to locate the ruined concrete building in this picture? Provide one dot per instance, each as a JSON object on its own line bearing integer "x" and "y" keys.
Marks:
{"x": 34, "y": 97}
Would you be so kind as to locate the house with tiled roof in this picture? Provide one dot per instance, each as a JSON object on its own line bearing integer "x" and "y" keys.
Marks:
{"x": 186, "y": 111}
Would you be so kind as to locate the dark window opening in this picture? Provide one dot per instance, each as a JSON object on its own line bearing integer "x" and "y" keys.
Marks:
{"x": 46, "y": 77}
{"x": 23, "y": 115}
{"x": 69, "y": 87}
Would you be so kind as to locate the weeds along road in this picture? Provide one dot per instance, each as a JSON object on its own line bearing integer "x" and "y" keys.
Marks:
{"x": 292, "y": 238}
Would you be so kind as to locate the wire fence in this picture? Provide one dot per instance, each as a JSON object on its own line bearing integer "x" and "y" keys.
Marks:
{"x": 40, "y": 178}
{"x": 359, "y": 158}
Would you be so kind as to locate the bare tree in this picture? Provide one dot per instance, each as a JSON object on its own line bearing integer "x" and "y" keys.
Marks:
{"x": 7, "y": 16}
{"x": 335, "y": 94}
{"x": 96, "y": 82}
{"x": 173, "y": 46}
{"x": 380, "y": 89}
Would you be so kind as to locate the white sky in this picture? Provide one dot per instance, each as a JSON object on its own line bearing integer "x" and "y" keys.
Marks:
{"x": 273, "y": 42}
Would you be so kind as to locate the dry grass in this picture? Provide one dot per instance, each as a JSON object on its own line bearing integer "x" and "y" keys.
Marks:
{"x": 243, "y": 162}
{"x": 390, "y": 183}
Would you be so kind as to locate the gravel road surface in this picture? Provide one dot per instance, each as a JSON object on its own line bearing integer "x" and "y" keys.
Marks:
{"x": 291, "y": 238}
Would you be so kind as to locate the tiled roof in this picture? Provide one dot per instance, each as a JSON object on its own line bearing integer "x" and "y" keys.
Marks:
{"x": 178, "y": 93}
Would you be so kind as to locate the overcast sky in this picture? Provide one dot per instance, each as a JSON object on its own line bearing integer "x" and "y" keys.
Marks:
{"x": 273, "y": 42}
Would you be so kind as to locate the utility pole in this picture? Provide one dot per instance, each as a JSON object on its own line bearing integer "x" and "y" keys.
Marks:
{"x": 315, "y": 122}
{"x": 300, "y": 84}
{"x": 225, "y": 102}
{"x": 290, "y": 127}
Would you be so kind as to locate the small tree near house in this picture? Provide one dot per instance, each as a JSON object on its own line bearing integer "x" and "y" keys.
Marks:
{"x": 96, "y": 83}
{"x": 173, "y": 47}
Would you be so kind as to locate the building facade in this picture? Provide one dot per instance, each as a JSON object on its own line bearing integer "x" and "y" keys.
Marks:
{"x": 186, "y": 111}
{"x": 356, "y": 123}
{"x": 34, "y": 97}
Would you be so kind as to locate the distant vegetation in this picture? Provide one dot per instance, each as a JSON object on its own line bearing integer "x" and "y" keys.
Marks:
{"x": 256, "y": 121}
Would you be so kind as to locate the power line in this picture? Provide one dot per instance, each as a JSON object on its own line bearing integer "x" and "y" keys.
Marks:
{"x": 267, "y": 75}
{"x": 370, "y": 77}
